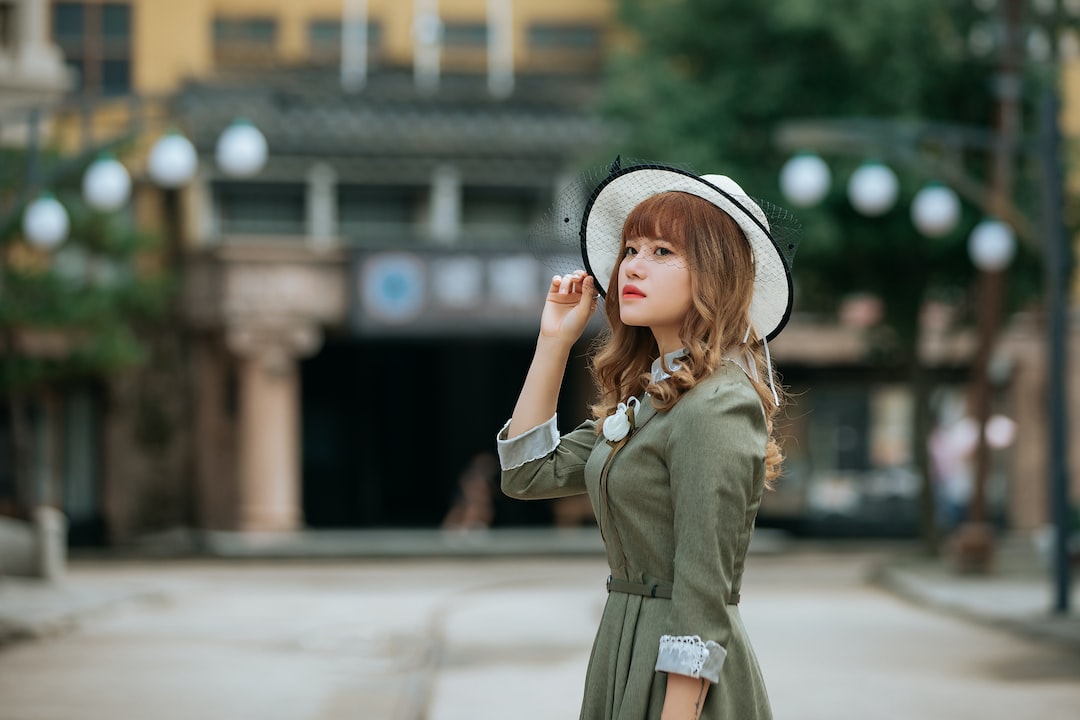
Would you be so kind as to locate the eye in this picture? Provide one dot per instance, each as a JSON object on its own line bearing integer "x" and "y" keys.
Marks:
{"x": 630, "y": 250}
{"x": 662, "y": 251}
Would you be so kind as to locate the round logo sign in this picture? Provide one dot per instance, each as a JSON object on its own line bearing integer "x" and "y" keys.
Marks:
{"x": 392, "y": 287}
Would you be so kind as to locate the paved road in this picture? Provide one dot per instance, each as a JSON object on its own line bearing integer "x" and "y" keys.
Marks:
{"x": 491, "y": 638}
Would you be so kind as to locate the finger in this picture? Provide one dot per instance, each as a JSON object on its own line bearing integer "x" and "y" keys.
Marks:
{"x": 567, "y": 285}
{"x": 588, "y": 293}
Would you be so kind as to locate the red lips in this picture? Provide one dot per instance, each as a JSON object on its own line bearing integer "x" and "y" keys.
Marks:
{"x": 631, "y": 291}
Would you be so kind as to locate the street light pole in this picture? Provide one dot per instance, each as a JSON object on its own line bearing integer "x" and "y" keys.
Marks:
{"x": 1057, "y": 267}
{"x": 973, "y": 544}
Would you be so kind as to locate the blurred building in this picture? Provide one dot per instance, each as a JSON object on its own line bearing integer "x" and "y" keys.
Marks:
{"x": 358, "y": 316}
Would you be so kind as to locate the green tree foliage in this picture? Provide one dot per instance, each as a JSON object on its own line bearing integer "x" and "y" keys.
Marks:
{"x": 92, "y": 294}
{"x": 705, "y": 82}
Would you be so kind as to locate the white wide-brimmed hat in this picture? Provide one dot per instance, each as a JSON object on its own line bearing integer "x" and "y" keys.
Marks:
{"x": 624, "y": 188}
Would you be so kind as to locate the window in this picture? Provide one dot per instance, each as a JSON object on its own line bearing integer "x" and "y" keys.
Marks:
{"x": 324, "y": 40}
{"x": 464, "y": 46}
{"x": 96, "y": 41}
{"x": 549, "y": 36}
{"x": 496, "y": 216}
{"x": 244, "y": 41}
{"x": 465, "y": 35}
{"x": 564, "y": 46}
{"x": 377, "y": 215}
{"x": 261, "y": 208}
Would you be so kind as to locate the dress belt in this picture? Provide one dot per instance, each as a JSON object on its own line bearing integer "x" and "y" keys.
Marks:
{"x": 651, "y": 590}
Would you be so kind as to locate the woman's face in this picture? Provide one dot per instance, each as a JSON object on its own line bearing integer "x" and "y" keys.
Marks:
{"x": 654, "y": 289}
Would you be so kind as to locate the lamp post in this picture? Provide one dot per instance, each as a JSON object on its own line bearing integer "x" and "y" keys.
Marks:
{"x": 106, "y": 187}
{"x": 873, "y": 190}
{"x": 917, "y": 146}
{"x": 1006, "y": 36}
{"x": 991, "y": 247}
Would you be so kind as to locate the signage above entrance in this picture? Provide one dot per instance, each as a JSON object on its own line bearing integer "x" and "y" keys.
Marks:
{"x": 441, "y": 292}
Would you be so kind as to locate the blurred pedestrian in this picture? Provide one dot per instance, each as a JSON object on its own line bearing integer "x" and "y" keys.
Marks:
{"x": 473, "y": 507}
{"x": 680, "y": 446}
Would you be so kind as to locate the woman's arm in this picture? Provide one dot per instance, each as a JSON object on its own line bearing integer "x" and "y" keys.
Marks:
{"x": 571, "y": 299}
{"x": 684, "y": 698}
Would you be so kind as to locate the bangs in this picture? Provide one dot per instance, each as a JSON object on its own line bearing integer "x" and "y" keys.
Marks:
{"x": 665, "y": 216}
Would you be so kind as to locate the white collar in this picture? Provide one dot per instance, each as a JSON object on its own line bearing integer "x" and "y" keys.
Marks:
{"x": 658, "y": 372}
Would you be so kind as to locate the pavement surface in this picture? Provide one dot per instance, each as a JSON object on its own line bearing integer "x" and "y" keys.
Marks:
{"x": 461, "y": 627}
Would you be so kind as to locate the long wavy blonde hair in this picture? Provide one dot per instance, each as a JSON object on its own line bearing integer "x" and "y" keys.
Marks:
{"x": 721, "y": 265}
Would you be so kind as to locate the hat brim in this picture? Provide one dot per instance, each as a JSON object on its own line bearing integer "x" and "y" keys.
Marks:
{"x": 614, "y": 199}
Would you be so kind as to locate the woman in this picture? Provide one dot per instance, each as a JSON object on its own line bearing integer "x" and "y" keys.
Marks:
{"x": 680, "y": 451}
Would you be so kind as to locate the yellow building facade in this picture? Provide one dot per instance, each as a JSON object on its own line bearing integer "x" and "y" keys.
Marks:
{"x": 177, "y": 41}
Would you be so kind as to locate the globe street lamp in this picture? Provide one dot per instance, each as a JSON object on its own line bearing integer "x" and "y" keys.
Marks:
{"x": 45, "y": 222}
{"x": 172, "y": 161}
{"x": 106, "y": 184}
{"x": 992, "y": 245}
{"x": 805, "y": 179}
{"x": 873, "y": 189}
{"x": 241, "y": 149}
{"x": 935, "y": 210}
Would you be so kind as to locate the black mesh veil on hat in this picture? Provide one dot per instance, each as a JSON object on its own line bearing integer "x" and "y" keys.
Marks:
{"x": 584, "y": 228}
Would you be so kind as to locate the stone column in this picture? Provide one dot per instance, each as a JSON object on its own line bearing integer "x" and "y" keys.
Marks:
{"x": 269, "y": 427}
{"x": 322, "y": 209}
{"x": 36, "y": 56}
{"x": 445, "y": 206}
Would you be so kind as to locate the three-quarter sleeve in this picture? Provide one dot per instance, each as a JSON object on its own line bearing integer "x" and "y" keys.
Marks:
{"x": 538, "y": 464}
{"x": 716, "y": 459}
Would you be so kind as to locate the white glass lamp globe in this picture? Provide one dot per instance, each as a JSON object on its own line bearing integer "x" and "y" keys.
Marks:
{"x": 991, "y": 245}
{"x": 172, "y": 161}
{"x": 805, "y": 180}
{"x": 873, "y": 189}
{"x": 106, "y": 185}
{"x": 935, "y": 210}
{"x": 45, "y": 222}
{"x": 241, "y": 149}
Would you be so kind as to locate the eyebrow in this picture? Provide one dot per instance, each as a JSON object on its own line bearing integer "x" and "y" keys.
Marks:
{"x": 650, "y": 240}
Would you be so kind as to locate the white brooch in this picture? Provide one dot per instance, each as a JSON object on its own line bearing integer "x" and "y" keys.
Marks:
{"x": 617, "y": 426}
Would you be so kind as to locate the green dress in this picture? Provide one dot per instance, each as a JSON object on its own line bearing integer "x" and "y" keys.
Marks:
{"x": 676, "y": 502}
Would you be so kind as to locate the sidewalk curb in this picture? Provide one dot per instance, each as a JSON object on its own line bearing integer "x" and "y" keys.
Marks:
{"x": 1044, "y": 627}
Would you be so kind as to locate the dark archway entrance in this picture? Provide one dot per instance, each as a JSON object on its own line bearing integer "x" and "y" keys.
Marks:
{"x": 388, "y": 426}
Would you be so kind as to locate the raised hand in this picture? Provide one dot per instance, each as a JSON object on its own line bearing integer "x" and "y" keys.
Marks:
{"x": 571, "y": 299}
{"x": 570, "y": 302}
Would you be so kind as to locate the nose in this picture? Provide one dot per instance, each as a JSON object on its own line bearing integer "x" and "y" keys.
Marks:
{"x": 633, "y": 266}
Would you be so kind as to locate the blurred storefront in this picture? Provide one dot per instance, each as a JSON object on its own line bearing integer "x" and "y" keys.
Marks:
{"x": 366, "y": 309}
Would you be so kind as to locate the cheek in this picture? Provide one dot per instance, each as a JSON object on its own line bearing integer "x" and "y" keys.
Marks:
{"x": 686, "y": 296}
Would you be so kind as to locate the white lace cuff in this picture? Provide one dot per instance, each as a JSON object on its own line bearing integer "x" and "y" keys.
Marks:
{"x": 528, "y": 446}
{"x": 690, "y": 655}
